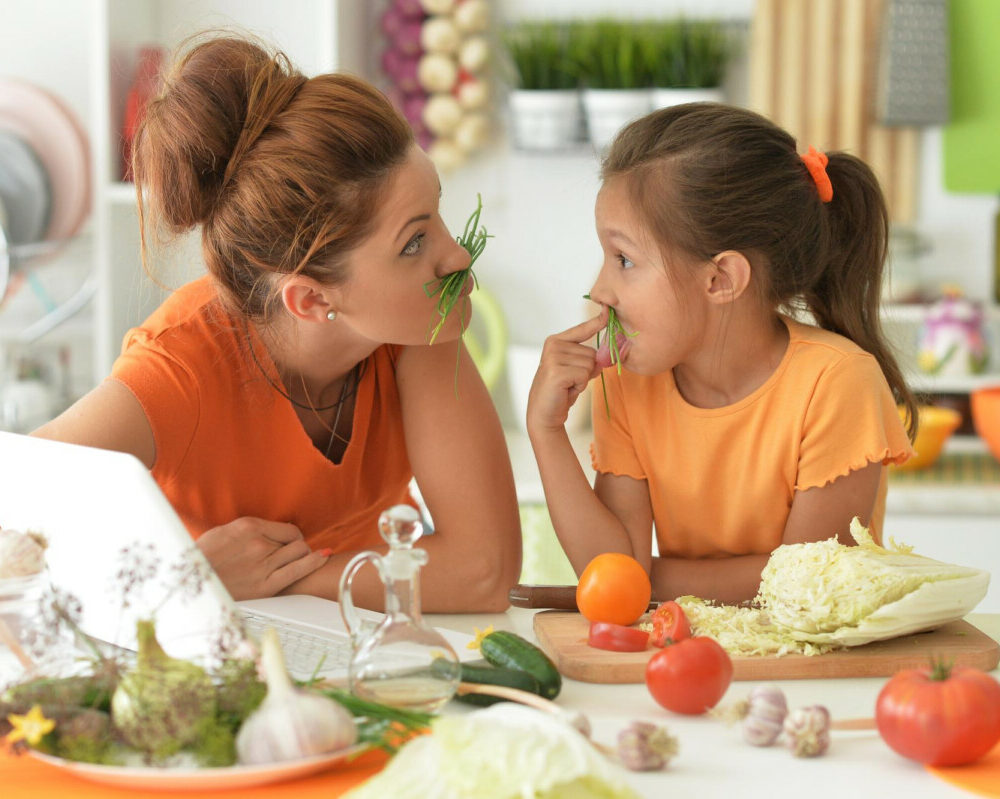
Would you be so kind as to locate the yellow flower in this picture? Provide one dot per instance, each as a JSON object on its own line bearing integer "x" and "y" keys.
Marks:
{"x": 30, "y": 727}
{"x": 480, "y": 635}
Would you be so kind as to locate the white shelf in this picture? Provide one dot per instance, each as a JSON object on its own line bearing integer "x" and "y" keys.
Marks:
{"x": 916, "y": 312}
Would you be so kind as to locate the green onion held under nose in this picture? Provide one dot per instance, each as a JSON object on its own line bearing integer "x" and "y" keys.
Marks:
{"x": 448, "y": 289}
{"x": 611, "y": 331}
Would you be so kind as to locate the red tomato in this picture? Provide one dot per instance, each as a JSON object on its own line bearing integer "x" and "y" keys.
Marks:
{"x": 938, "y": 715}
{"x": 617, "y": 637}
{"x": 669, "y": 624}
{"x": 689, "y": 676}
{"x": 614, "y": 587}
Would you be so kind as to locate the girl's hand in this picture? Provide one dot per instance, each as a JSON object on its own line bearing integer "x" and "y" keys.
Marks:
{"x": 566, "y": 367}
{"x": 255, "y": 558}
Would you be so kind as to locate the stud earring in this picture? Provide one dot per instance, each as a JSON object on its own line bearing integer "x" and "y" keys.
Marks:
{"x": 331, "y": 315}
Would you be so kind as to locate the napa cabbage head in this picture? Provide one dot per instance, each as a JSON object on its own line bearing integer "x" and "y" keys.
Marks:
{"x": 506, "y": 751}
{"x": 824, "y": 586}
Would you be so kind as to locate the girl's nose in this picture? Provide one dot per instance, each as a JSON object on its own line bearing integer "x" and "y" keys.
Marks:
{"x": 599, "y": 293}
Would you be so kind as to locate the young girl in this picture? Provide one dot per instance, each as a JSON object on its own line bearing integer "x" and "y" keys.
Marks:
{"x": 284, "y": 400}
{"x": 733, "y": 426}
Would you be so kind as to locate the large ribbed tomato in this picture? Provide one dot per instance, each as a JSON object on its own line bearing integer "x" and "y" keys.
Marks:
{"x": 614, "y": 587}
{"x": 938, "y": 715}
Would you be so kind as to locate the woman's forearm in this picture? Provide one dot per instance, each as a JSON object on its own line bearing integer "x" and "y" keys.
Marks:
{"x": 729, "y": 580}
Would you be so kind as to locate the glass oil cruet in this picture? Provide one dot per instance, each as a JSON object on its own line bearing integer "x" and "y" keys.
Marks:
{"x": 402, "y": 661}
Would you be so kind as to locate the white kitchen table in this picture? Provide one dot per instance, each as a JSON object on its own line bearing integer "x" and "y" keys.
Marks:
{"x": 714, "y": 761}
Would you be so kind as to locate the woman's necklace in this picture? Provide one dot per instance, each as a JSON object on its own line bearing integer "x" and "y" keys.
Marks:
{"x": 352, "y": 380}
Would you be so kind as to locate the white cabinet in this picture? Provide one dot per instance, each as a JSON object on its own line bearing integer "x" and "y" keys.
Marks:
{"x": 85, "y": 53}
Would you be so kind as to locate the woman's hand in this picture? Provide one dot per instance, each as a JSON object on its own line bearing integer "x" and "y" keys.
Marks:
{"x": 566, "y": 367}
{"x": 255, "y": 558}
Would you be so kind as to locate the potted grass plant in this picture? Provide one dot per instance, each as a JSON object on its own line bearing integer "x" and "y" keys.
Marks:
{"x": 686, "y": 60}
{"x": 544, "y": 100}
{"x": 614, "y": 75}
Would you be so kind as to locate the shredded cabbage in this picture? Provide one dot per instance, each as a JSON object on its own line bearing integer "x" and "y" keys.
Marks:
{"x": 822, "y": 595}
{"x": 506, "y": 751}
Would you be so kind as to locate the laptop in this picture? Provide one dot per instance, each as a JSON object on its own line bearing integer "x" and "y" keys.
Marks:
{"x": 116, "y": 544}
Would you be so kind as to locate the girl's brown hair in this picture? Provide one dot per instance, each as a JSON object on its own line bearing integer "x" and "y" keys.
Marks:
{"x": 283, "y": 172}
{"x": 707, "y": 178}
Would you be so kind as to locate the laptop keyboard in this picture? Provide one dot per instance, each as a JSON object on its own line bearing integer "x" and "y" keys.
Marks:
{"x": 305, "y": 649}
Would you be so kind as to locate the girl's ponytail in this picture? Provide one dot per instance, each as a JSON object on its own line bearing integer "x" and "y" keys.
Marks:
{"x": 846, "y": 297}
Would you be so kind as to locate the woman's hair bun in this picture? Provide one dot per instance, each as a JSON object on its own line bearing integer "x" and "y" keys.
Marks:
{"x": 214, "y": 104}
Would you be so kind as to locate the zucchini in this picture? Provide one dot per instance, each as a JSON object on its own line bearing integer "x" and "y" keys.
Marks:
{"x": 508, "y": 650}
{"x": 483, "y": 673}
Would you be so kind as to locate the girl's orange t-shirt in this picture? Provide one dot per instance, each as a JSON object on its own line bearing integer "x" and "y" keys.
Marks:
{"x": 229, "y": 445}
{"x": 722, "y": 480}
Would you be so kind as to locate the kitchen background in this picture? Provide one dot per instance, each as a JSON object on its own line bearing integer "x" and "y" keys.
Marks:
{"x": 73, "y": 74}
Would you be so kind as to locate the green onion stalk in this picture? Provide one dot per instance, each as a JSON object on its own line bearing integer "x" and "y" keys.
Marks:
{"x": 448, "y": 289}
{"x": 614, "y": 327}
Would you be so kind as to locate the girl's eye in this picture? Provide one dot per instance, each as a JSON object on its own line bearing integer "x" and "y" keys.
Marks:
{"x": 413, "y": 245}
{"x": 625, "y": 262}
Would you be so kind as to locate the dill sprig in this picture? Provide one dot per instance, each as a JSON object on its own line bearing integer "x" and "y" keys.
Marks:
{"x": 611, "y": 331}
{"x": 448, "y": 289}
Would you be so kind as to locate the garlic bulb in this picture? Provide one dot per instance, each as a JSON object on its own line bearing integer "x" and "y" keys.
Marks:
{"x": 645, "y": 747}
{"x": 765, "y": 713}
{"x": 439, "y": 35}
{"x": 290, "y": 723}
{"x": 442, "y": 114}
{"x": 807, "y": 731}
{"x": 474, "y": 53}
{"x": 437, "y": 6}
{"x": 21, "y": 554}
{"x": 446, "y": 155}
{"x": 472, "y": 16}
{"x": 437, "y": 73}
{"x": 472, "y": 132}
{"x": 473, "y": 94}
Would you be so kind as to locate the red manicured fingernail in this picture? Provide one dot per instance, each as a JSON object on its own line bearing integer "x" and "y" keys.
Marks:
{"x": 326, "y": 552}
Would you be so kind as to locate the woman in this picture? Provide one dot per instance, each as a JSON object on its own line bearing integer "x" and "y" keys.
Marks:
{"x": 286, "y": 398}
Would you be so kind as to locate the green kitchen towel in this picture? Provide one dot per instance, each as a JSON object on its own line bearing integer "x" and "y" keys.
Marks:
{"x": 971, "y": 151}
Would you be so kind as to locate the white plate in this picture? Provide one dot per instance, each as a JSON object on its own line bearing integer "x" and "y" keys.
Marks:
{"x": 185, "y": 779}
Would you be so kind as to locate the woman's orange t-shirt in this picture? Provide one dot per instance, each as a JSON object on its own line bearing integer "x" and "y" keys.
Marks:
{"x": 722, "y": 480}
{"x": 229, "y": 445}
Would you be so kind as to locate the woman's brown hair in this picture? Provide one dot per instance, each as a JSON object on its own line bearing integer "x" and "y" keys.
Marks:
{"x": 707, "y": 178}
{"x": 283, "y": 172}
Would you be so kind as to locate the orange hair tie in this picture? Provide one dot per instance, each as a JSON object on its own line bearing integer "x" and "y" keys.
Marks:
{"x": 816, "y": 162}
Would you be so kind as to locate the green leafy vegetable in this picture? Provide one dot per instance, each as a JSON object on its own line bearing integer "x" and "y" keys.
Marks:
{"x": 448, "y": 289}
{"x": 611, "y": 331}
{"x": 381, "y": 725}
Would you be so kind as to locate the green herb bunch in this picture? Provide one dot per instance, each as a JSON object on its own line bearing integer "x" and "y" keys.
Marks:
{"x": 686, "y": 54}
{"x": 610, "y": 55}
{"x": 541, "y": 56}
{"x": 611, "y": 331}
{"x": 448, "y": 289}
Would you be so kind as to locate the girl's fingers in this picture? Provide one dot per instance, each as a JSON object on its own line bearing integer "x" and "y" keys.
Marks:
{"x": 585, "y": 330}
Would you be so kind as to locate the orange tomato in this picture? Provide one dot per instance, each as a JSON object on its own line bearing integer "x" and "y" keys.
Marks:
{"x": 613, "y": 588}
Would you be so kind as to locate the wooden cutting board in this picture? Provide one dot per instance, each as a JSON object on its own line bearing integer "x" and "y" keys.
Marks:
{"x": 563, "y": 636}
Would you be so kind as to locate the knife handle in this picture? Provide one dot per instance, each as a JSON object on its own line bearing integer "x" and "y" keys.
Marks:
{"x": 560, "y": 597}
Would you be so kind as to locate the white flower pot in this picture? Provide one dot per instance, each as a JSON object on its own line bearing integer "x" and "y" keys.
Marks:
{"x": 545, "y": 119}
{"x": 609, "y": 110}
{"x": 664, "y": 98}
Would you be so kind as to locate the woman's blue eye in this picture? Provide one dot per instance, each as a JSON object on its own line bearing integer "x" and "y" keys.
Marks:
{"x": 625, "y": 262}
{"x": 413, "y": 245}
